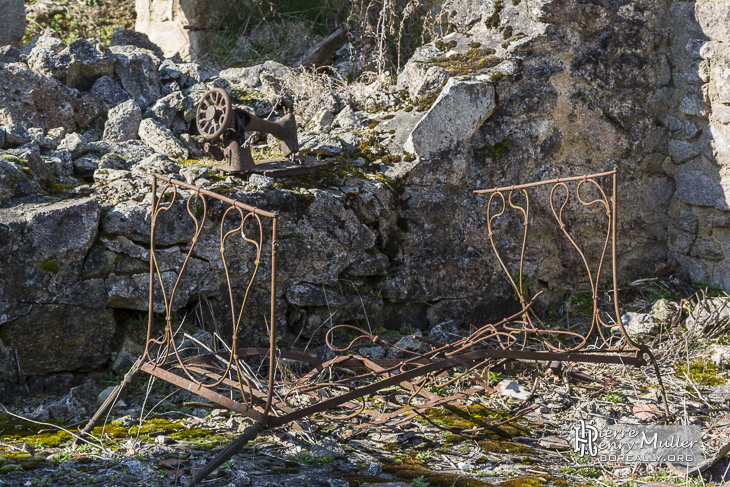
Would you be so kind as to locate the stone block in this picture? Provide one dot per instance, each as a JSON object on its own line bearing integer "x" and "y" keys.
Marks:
{"x": 461, "y": 108}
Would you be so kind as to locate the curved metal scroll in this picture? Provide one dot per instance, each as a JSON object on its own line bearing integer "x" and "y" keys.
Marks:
{"x": 562, "y": 192}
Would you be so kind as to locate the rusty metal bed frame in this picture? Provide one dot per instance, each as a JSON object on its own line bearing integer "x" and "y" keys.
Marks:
{"x": 337, "y": 388}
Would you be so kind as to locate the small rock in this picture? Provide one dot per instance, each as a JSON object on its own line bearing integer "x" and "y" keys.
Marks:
{"x": 710, "y": 313}
{"x": 690, "y": 130}
{"x": 445, "y": 332}
{"x": 372, "y": 352}
{"x": 351, "y": 143}
{"x": 321, "y": 122}
{"x": 16, "y": 134}
{"x": 553, "y": 443}
{"x": 666, "y": 313}
{"x": 370, "y": 265}
{"x": 640, "y": 324}
{"x": 306, "y": 294}
{"x": 44, "y": 143}
{"x": 161, "y": 139}
{"x": 123, "y": 123}
{"x": 348, "y": 119}
{"x": 164, "y": 440}
{"x": 75, "y": 144}
{"x": 137, "y": 69}
{"x": 9, "y": 54}
{"x": 463, "y": 106}
{"x": 260, "y": 181}
{"x": 322, "y": 145}
{"x": 408, "y": 343}
{"x": 374, "y": 469}
{"x": 124, "y": 37}
{"x": 682, "y": 151}
{"x": 512, "y": 389}
{"x": 156, "y": 162}
{"x": 647, "y": 411}
{"x": 110, "y": 91}
{"x": 165, "y": 108}
{"x": 721, "y": 356}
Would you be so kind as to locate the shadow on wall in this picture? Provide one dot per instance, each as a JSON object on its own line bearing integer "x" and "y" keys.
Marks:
{"x": 179, "y": 26}
{"x": 699, "y": 145}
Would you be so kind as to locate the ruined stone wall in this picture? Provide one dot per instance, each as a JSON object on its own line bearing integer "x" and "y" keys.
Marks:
{"x": 391, "y": 235}
{"x": 179, "y": 26}
{"x": 699, "y": 145}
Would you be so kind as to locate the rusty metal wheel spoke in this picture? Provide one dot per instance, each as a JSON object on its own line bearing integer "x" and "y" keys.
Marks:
{"x": 214, "y": 113}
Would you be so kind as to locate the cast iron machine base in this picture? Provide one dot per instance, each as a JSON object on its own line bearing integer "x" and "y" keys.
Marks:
{"x": 218, "y": 119}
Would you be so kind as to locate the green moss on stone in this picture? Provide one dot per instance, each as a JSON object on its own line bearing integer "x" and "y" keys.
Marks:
{"x": 51, "y": 265}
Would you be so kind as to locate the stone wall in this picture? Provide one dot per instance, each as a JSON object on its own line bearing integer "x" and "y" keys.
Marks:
{"x": 699, "y": 146}
{"x": 391, "y": 235}
{"x": 179, "y": 26}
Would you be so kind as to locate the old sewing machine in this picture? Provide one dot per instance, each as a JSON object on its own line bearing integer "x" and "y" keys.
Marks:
{"x": 218, "y": 119}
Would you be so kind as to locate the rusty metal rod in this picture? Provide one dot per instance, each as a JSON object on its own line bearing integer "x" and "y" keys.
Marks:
{"x": 249, "y": 434}
{"x": 204, "y": 392}
{"x": 544, "y": 183}
{"x": 225, "y": 199}
{"x": 452, "y": 362}
{"x": 115, "y": 395}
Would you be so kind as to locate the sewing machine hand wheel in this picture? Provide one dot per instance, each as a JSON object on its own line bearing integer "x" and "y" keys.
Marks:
{"x": 214, "y": 113}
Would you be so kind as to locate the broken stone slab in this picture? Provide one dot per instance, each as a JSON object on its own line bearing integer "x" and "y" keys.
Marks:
{"x": 159, "y": 138}
{"x": 696, "y": 188}
{"x": 43, "y": 101}
{"x": 132, "y": 219}
{"x": 123, "y": 122}
{"x": 40, "y": 261}
{"x": 420, "y": 79}
{"x": 461, "y": 108}
{"x": 682, "y": 151}
{"x": 14, "y": 182}
{"x": 109, "y": 91}
{"x": 75, "y": 144}
{"x": 136, "y": 67}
